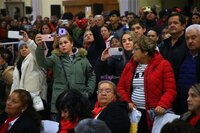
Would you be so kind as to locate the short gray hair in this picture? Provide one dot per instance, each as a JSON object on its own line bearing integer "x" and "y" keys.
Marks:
{"x": 193, "y": 26}
{"x": 98, "y": 16}
{"x": 92, "y": 126}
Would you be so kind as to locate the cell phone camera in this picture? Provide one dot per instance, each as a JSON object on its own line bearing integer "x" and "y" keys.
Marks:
{"x": 21, "y": 33}
{"x": 120, "y": 49}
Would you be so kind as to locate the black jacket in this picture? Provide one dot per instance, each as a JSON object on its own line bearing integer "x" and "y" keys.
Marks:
{"x": 24, "y": 124}
{"x": 174, "y": 54}
{"x": 115, "y": 115}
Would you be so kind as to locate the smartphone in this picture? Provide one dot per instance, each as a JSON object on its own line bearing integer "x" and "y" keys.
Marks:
{"x": 61, "y": 31}
{"x": 47, "y": 37}
{"x": 115, "y": 51}
{"x": 15, "y": 34}
{"x": 65, "y": 22}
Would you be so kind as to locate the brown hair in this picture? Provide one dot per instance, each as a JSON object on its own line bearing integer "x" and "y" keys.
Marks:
{"x": 57, "y": 38}
{"x": 196, "y": 88}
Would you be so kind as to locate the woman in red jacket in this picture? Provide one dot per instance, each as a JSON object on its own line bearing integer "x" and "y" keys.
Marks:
{"x": 147, "y": 82}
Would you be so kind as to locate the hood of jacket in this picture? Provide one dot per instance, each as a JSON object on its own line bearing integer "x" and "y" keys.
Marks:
{"x": 80, "y": 52}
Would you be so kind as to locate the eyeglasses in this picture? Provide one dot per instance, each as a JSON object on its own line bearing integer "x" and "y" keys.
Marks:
{"x": 135, "y": 49}
{"x": 107, "y": 91}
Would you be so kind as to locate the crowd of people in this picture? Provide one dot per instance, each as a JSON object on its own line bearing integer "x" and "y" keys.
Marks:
{"x": 90, "y": 73}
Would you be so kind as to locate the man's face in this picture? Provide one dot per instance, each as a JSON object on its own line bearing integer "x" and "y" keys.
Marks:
{"x": 130, "y": 17}
{"x": 193, "y": 40}
{"x": 138, "y": 29}
{"x": 175, "y": 26}
{"x": 99, "y": 21}
{"x": 114, "y": 19}
{"x": 153, "y": 35}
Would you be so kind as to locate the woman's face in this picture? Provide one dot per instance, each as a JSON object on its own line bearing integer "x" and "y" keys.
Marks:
{"x": 193, "y": 101}
{"x": 65, "y": 114}
{"x": 138, "y": 55}
{"x": 65, "y": 45}
{"x": 105, "y": 33}
{"x": 127, "y": 42}
{"x": 24, "y": 50}
{"x": 114, "y": 43}
{"x": 105, "y": 94}
{"x": 14, "y": 105}
{"x": 88, "y": 37}
{"x": 46, "y": 29}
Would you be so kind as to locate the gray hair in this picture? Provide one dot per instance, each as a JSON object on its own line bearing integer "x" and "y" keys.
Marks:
{"x": 92, "y": 126}
{"x": 99, "y": 16}
{"x": 193, "y": 26}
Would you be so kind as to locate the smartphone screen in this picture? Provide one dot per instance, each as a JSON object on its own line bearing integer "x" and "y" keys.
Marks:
{"x": 115, "y": 51}
{"x": 14, "y": 34}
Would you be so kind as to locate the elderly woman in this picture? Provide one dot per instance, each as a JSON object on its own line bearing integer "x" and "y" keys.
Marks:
{"x": 27, "y": 74}
{"x": 109, "y": 109}
{"x": 71, "y": 68}
{"x": 193, "y": 114}
{"x": 147, "y": 82}
{"x": 21, "y": 116}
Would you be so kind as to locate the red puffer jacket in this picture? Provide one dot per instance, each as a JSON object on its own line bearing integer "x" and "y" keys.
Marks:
{"x": 159, "y": 82}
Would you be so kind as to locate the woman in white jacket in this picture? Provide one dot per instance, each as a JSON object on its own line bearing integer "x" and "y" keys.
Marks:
{"x": 28, "y": 74}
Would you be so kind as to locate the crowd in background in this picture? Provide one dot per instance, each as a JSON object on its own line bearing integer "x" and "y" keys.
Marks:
{"x": 100, "y": 67}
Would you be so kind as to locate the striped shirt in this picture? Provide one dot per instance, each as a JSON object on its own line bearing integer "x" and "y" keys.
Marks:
{"x": 137, "y": 95}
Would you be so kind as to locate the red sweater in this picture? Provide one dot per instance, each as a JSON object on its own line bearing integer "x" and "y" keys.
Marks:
{"x": 159, "y": 83}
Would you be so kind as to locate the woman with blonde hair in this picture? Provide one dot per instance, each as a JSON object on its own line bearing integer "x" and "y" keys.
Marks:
{"x": 71, "y": 68}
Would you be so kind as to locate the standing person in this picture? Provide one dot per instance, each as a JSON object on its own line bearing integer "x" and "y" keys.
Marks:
{"x": 106, "y": 34}
{"x": 109, "y": 109}
{"x": 193, "y": 100}
{"x": 174, "y": 47}
{"x": 117, "y": 29}
{"x": 94, "y": 44}
{"x": 147, "y": 82}
{"x": 6, "y": 73}
{"x": 71, "y": 68}
{"x": 21, "y": 116}
{"x": 27, "y": 74}
{"x": 137, "y": 26}
{"x": 196, "y": 18}
{"x": 46, "y": 29}
{"x": 73, "y": 107}
{"x": 110, "y": 67}
{"x": 99, "y": 20}
{"x": 190, "y": 67}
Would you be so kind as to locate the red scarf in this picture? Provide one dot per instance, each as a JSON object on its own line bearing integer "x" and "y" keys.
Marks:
{"x": 4, "y": 127}
{"x": 194, "y": 120}
{"x": 97, "y": 109}
{"x": 65, "y": 125}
